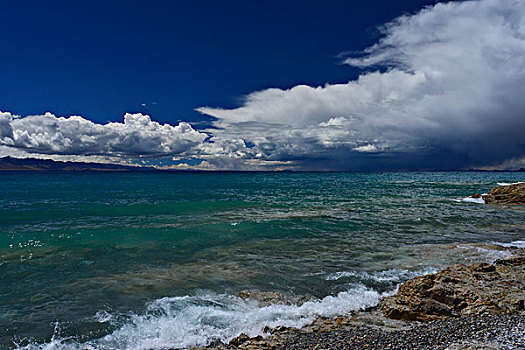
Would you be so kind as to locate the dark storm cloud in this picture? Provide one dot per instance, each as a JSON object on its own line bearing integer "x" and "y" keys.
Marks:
{"x": 453, "y": 93}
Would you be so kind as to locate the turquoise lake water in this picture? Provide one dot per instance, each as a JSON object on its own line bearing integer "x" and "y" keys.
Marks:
{"x": 156, "y": 260}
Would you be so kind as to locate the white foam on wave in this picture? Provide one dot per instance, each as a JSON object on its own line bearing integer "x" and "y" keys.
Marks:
{"x": 516, "y": 244}
{"x": 479, "y": 200}
{"x": 186, "y": 321}
{"x": 103, "y": 316}
{"x": 494, "y": 255}
{"x": 485, "y": 254}
{"x": 509, "y": 183}
{"x": 392, "y": 275}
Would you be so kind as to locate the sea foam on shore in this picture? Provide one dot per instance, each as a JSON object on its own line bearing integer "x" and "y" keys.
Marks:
{"x": 180, "y": 322}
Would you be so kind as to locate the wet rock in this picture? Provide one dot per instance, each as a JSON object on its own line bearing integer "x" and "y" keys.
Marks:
{"x": 264, "y": 298}
{"x": 497, "y": 288}
{"x": 512, "y": 261}
{"x": 508, "y": 194}
{"x": 240, "y": 339}
{"x": 483, "y": 267}
{"x": 279, "y": 329}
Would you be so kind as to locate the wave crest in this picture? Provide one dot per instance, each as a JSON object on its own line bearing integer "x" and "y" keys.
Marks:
{"x": 180, "y": 322}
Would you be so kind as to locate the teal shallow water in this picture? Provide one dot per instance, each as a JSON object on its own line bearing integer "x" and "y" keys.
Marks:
{"x": 141, "y": 260}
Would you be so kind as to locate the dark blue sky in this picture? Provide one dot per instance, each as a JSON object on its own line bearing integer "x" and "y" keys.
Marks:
{"x": 100, "y": 59}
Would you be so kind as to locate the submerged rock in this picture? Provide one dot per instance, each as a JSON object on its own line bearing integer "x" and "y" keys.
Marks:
{"x": 264, "y": 298}
{"x": 497, "y": 288}
{"x": 506, "y": 194}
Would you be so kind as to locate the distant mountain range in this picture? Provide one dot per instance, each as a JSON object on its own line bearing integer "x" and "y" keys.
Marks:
{"x": 31, "y": 164}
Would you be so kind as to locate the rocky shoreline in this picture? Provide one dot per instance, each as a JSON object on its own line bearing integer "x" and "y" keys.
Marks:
{"x": 479, "y": 306}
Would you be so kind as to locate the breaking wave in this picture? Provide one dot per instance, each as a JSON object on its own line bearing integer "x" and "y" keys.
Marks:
{"x": 179, "y": 322}
{"x": 509, "y": 183}
{"x": 392, "y": 275}
{"x": 479, "y": 200}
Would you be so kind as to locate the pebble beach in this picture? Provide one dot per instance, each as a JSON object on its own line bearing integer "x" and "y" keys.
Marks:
{"x": 470, "y": 332}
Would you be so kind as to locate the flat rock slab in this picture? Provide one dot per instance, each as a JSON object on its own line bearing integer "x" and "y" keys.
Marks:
{"x": 479, "y": 288}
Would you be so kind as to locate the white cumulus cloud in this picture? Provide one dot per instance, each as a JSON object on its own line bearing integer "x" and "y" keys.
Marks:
{"x": 366, "y": 148}
{"x": 137, "y": 136}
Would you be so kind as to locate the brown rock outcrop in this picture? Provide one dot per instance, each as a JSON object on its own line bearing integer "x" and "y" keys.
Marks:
{"x": 497, "y": 288}
{"x": 238, "y": 340}
{"x": 507, "y": 194}
{"x": 264, "y": 298}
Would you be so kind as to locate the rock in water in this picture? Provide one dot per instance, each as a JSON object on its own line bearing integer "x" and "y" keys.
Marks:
{"x": 507, "y": 194}
{"x": 264, "y": 298}
{"x": 497, "y": 288}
